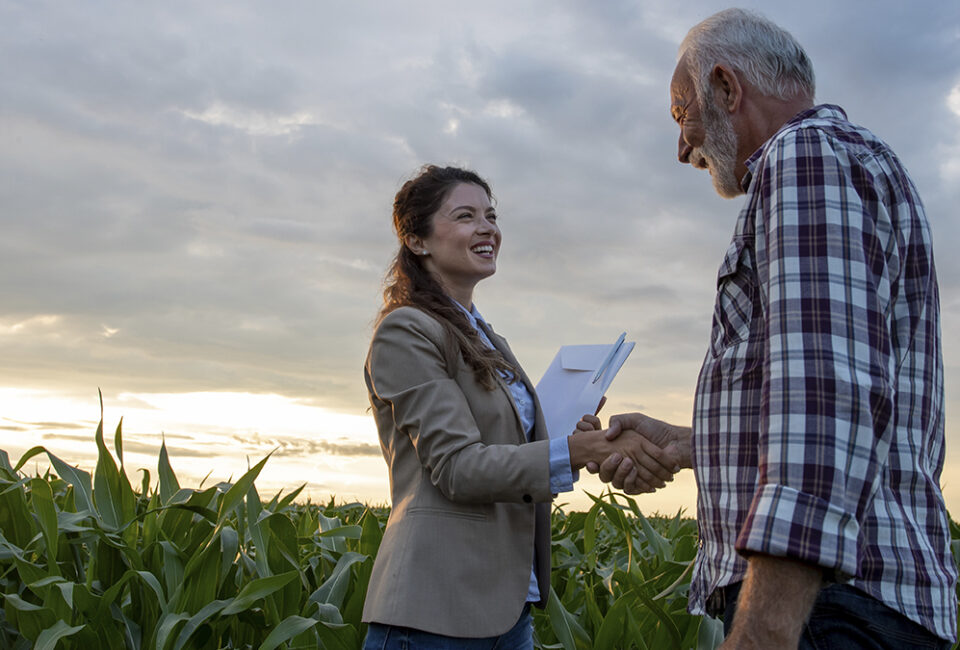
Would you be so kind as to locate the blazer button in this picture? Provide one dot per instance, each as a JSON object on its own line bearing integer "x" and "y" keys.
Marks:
{"x": 527, "y": 498}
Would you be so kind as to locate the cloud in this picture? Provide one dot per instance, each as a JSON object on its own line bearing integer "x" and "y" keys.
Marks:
{"x": 304, "y": 448}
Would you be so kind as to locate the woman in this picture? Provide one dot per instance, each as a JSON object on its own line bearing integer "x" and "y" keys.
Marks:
{"x": 466, "y": 548}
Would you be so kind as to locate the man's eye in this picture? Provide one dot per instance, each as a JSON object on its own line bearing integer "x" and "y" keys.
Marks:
{"x": 492, "y": 217}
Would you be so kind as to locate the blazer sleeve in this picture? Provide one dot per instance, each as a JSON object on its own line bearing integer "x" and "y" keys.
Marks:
{"x": 408, "y": 369}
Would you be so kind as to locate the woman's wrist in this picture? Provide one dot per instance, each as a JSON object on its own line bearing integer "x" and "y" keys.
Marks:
{"x": 587, "y": 446}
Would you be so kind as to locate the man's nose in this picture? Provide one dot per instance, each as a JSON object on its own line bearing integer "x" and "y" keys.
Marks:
{"x": 683, "y": 150}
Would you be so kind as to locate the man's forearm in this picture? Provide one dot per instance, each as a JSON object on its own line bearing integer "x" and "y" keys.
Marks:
{"x": 775, "y": 601}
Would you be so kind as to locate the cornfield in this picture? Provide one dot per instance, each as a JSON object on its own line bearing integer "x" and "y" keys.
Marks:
{"x": 86, "y": 561}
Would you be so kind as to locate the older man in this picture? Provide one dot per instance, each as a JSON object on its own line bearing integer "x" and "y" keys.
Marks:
{"x": 817, "y": 439}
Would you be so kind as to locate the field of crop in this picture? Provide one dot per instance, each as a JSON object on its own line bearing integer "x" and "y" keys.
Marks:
{"x": 87, "y": 561}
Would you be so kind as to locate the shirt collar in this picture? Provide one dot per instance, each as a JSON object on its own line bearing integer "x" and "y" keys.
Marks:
{"x": 472, "y": 314}
{"x": 822, "y": 111}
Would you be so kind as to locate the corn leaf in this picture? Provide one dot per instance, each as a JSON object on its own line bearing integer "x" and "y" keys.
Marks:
{"x": 565, "y": 626}
{"x": 287, "y": 500}
{"x": 106, "y": 484}
{"x": 206, "y": 612}
{"x": 168, "y": 624}
{"x": 257, "y": 590}
{"x": 334, "y": 589}
{"x": 47, "y": 640}
{"x": 168, "y": 484}
{"x": 238, "y": 490}
{"x": 41, "y": 497}
{"x": 286, "y": 630}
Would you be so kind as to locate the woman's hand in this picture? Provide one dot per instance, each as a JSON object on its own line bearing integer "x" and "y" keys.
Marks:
{"x": 592, "y": 423}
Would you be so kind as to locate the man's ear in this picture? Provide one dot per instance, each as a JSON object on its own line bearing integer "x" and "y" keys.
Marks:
{"x": 727, "y": 87}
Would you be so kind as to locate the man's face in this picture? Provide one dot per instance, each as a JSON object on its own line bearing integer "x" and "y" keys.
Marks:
{"x": 707, "y": 138}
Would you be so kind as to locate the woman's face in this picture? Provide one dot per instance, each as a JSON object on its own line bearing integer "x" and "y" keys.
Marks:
{"x": 463, "y": 245}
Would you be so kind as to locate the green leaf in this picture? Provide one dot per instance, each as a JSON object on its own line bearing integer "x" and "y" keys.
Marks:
{"x": 590, "y": 535}
{"x": 106, "y": 481}
{"x": 370, "y": 536}
{"x": 80, "y": 480}
{"x": 710, "y": 633}
{"x": 200, "y": 578}
{"x": 118, "y": 443}
{"x": 668, "y": 623}
{"x": 47, "y": 640}
{"x": 338, "y": 637}
{"x": 565, "y": 625}
{"x": 41, "y": 497}
{"x": 229, "y": 549}
{"x": 166, "y": 626}
{"x": 659, "y": 544}
{"x": 287, "y": 500}
{"x": 344, "y": 532}
{"x": 257, "y": 590}
{"x": 334, "y": 589}
{"x": 168, "y": 484}
{"x": 16, "y": 522}
{"x": 286, "y": 630}
{"x": 29, "y": 619}
{"x": 198, "y": 619}
{"x": 610, "y": 635}
{"x": 235, "y": 494}
{"x": 30, "y": 453}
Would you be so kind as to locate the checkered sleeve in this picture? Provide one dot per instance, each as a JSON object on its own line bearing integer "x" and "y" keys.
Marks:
{"x": 826, "y": 398}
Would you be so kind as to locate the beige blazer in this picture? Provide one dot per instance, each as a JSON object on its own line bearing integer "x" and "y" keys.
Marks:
{"x": 470, "y": 495}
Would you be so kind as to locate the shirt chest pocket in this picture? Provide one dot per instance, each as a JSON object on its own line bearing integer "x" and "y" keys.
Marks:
{"x": 733, "y": 311}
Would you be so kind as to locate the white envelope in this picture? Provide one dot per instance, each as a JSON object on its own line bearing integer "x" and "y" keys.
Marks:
{"x": 567, "y": 390}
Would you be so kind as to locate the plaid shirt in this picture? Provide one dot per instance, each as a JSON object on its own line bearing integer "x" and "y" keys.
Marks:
{"x": 818, "y": 418}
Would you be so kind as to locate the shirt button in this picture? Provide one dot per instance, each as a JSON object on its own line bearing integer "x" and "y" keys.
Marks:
{"x": 527, "y": 498}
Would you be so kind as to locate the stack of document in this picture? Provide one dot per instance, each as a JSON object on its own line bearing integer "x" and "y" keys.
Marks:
{"x": 576, "y": 381}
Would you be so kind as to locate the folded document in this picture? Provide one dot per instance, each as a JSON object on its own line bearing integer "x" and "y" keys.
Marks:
{"x": 576, "y": 381}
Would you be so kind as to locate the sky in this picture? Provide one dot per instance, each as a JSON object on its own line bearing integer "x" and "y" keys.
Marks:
{"x": 195, "y": 208}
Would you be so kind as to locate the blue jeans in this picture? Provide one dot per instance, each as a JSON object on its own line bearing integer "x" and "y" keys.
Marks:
{"x": 394, "y": 637}
{"x": 844, "y": 618}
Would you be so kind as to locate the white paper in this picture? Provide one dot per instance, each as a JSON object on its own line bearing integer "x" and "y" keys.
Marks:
{"x": 567, "y": 391}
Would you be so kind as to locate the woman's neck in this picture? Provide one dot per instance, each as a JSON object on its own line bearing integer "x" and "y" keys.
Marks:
{"x": 463, "y": 295}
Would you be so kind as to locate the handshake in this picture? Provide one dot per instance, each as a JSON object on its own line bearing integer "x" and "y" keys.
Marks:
{"x": 636, "y": 453}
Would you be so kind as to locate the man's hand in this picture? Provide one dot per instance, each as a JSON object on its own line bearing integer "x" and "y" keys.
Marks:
{"x": 666, "y": 449}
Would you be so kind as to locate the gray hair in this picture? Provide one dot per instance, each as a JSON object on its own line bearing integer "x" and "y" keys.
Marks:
{"x": 767, "y": 56}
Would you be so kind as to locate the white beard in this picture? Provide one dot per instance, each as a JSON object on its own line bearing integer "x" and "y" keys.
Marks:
{"x": 719, "y": 151}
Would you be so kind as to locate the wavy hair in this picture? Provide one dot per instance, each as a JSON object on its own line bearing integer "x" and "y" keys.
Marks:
{"x": 409, "y": 283}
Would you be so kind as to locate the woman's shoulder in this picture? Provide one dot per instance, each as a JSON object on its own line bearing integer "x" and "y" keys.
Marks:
{"x": 411, "y": 318}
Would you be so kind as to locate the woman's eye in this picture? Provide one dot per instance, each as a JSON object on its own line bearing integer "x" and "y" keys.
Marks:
{"x": 492, "y": 217}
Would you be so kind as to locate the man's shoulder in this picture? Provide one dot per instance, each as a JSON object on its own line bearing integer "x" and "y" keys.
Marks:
{"x": 822, "y": 132}
{"x": 826, "y": 123}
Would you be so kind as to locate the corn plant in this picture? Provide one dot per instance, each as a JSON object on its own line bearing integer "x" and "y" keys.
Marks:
{"x": 620, "y": 581}
{"x": 87, "y": 562}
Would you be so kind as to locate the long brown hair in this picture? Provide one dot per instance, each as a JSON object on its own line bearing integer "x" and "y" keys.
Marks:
{"x": 409, "y": 283}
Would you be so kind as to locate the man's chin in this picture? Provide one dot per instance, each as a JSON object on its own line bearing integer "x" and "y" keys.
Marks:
{"x": 726, "y": 187}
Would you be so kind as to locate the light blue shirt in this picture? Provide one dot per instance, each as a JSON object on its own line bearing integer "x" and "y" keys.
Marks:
{"x": 561, "y": 474}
